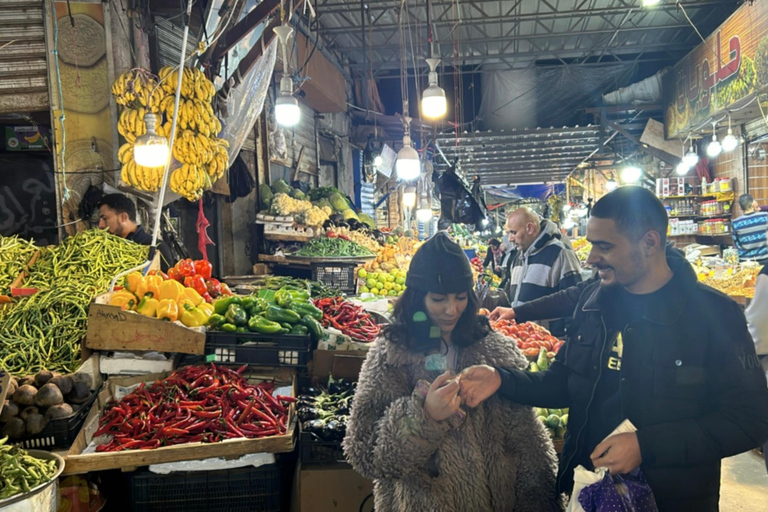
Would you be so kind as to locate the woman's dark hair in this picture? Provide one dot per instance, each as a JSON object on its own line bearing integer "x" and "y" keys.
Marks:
{"x": 494, "y": 242}
{"x": 470, "y": 328}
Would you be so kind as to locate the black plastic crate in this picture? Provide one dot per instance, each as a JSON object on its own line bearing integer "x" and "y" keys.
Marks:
{"x": 261, "y": 349}
{"x": 60, "y": 433}
{"x": 232, "y": 490}
{"x": 340, "y": 276}
{"x": 314, "y": 450}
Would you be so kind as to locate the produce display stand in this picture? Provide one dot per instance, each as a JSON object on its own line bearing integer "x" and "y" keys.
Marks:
{"x": 79, "y": 462}
{"x": 111, "y": 328}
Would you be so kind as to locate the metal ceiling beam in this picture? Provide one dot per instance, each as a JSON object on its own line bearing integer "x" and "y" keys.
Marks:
{"x": 540, "y": 151}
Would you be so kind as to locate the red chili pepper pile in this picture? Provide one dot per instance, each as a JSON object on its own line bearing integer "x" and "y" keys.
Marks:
{"x": 194, "y": 404}
{"x": 350, "y": 319}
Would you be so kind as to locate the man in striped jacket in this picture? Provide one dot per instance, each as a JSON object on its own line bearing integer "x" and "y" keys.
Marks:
{"x": 543, "y": 265}
{"x": 749, "y": 231}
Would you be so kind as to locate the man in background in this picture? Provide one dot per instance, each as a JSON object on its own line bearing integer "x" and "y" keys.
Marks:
{"x": 749, "y": 231}
{"x": 117, "y": 214}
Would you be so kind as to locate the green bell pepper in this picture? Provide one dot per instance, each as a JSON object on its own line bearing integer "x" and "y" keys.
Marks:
{"x": 248, "y": 302}
{"x": 220, "y": 306}
{"x": 281, "y": 315}
{"x": 283, "y": 298}
{"x": 285, "y": 331}
{"x": 262, "y": 325}
{"x": 267, "y": 295}
{"x": 216, "y": 320}
{"x": 228, "y": 327}
{"x": 299, "y": 329}
{"x": 313, "y": 325}
{"x": 286, "y": 325}
{"x": 236, "y": 315}
{"x": 306, "y": 308}
{"x": 242, "y": 329}
{"x": 299, "y": 295}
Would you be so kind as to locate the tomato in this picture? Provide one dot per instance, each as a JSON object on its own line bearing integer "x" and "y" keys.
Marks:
{"x": 530, "y": 352}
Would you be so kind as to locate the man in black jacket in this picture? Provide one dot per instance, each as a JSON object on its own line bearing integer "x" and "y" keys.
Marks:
{"x": 650, "y": 344}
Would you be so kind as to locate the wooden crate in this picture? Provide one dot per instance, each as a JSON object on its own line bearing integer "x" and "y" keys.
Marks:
{"x": 80, "y": 463}
{"x": 111, "y": 328}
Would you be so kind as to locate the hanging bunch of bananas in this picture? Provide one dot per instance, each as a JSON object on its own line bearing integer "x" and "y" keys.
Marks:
{"x": 204, "y": 157}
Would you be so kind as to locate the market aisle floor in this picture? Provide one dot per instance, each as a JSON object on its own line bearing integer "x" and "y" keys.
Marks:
{"x": 744, "y": 484}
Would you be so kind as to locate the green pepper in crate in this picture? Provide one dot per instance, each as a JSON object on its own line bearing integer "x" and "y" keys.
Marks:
{"x": 286, "y": 325}
{"x": 258, "y": 307}
{"x": 299, "y": 295}
{"x": 285, "y": 330}
{"x": 267, "y": 295}
{"x": 281, "y": 315}
{"x": 242, "y": 329}
{"x": 216, "y": 320}
{"x": 220, "y": 306}
{"x": 308, "y": 309}
{"x": 313, "y": 325}
{"x": 236, "y": 315}
{"x": 228, "y": 327}
{"x": 299, "y": 329}
{"x": 248, "y": 302}
{"x": 283, "y": 298}
{"x": 262, "y": 325}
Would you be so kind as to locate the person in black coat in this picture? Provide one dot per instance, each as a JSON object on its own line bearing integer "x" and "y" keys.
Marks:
{"x": 650, "y": 344}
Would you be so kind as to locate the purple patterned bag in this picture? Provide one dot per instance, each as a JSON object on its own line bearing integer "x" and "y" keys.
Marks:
{"x": 619, "y": 493}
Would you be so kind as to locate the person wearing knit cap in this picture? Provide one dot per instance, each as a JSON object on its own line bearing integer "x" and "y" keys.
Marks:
{"x": 408, "y": 431}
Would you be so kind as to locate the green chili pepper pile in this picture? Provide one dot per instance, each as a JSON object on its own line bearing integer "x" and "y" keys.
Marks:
{"x": 43, "y": 331}
{"x": 325, "y": 247}
{"x": 316, "y": 289}
{"x": 20, "y": 472}
{"x": 15, "y": 252}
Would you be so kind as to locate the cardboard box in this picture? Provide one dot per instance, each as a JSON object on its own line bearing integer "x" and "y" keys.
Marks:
{"x": 79, "y": 463}
{"x": 335, "y": 487}
{"x": 342, "y": 364}
{"x": 111, "y": 328}
{"x": 116, "y": 365}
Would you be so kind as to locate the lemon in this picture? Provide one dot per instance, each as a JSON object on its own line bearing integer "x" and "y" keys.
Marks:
{"x": 400, "y": 293}
{"x": 389, "y": 278}
{"x": 398, "y": 288}
{"x": 388, "y": 286}
{"x": 362, "y": 273}
{"x": 400, "y": 281}
{"x": 364, "y": 289}
{"x": 374, "y": 291}
{"x": 392, "y": 293}
{"x": 371, "y": 283}
{"x": 383, "y": 293}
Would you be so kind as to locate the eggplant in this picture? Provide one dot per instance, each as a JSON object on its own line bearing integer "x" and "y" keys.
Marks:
{"x": 333, "y": 431}
{"x": 343, "y": 410}
{"x": 310, "y": 391}
{"x": 309, "y": 413}
{"x": 336, "y": 218}
{"x": 328, "y": 224}
{"x": 314, "y": 426}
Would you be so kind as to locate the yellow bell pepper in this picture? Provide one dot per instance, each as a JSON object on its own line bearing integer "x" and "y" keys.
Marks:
{"x": 149, "y": 284}
{"x": 132, "y": 281}
{"x": 168, "y": 310}
{"x": 192, "y": 295}
{"x": 193, "y": 317}
{"x": 123, "y": 299}
{"x": 148, "y": 306}
{"x": 170, "y": 290}
{"x": 206, "y": 308}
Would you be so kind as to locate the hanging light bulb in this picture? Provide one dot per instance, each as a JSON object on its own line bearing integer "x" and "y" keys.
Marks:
{"x": 378, "y": 160}
{"x": 682, "y": 168}
{"x": 287, "y": 111}
{"x": 151, "y": 149}
{"x": 714, "y": 148}
{"x": 409, "y": 197}
{"x": 650, "y": 3}
{"x": 407, "y": 165}
{"x": 631, "y": 173}
{"x": 730, "y": 141}
{"x": 424, "y": 213}
{"x": 691, "y": 157}
{"x": 433, "y": 102}
{"x": 611, "y": 185}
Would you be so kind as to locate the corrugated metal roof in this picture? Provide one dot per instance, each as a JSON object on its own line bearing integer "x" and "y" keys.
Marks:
{"x": 169, "y": 37}
{"x": 23, "y": 67}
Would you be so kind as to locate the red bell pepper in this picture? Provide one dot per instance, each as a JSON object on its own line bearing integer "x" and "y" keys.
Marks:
{"x": 214, "y": 287}
{"x": 173, "y": 273}
{"x": 186, "y": 268}
{"x": 197, "y": 282}
{"x": 203, "y": 268}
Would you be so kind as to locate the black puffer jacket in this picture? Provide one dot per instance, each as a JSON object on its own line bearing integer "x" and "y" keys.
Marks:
{"x": 690, "y": 382}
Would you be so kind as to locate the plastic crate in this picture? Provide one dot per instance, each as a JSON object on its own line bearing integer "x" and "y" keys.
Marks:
{"x": 233, "y": 490}
{"x": 339, "y": 276}
{"x": 291, "y": 350}
{"x": 314, "y": 450}
{"x": 60, "y": 433}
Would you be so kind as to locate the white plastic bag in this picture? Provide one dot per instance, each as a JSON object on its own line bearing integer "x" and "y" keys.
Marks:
{"x": 582, "y": 478}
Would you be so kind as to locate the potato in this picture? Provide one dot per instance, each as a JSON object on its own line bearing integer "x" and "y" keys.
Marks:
{"x": 80, "y": 393}
{"x": 42, "y": 378}
{"x": 13, "y": 385}
{"x": 35, "y": 424}
{"x": 49, "y": 395}
{"x": 63, "y": 382}
{"x": 25, "y": 395}
{"x": 29, "y": 411}
{"x": 59, "y": 411}
{"x": 10, "y": 410}
{"x": 29, "y": 379}
{"x": 83, "y": 377}
{"x": 14, "y": 428}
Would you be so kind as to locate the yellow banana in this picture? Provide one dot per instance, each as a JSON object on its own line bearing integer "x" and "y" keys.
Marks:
{"x": 125, "y": 153}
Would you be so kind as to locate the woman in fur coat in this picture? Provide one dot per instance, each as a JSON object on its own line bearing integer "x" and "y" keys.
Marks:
{"x": 407, "y": 430}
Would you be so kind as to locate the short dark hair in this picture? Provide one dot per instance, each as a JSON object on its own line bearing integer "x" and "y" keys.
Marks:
{"x": 120, "y": 204}
{"x": 745, "y": 201}
{"x": 470, "y": 328}
{"x": 635, "y": 210}
{"x": 494, "y": 242}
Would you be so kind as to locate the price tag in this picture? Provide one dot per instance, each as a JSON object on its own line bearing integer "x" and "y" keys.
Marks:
{"x": 210, "y": 358}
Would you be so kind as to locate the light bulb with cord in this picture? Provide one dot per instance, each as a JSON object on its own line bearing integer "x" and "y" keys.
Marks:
{"x": 650, "y": 3}
{"x": 433, "y": 102}
{"x": 691, "y": 157}
{"x": 287, "y": 111}
{"x": 730, "y": 142}
{"x": 714, "y": 148}
{"x": 151, "y": 149}
{"x": 682, "y": 168}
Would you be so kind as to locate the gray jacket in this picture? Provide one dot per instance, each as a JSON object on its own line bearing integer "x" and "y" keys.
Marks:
{"x": 499, "y": 459}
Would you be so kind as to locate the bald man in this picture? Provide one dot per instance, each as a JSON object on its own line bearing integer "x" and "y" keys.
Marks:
{"x": 544, "y": 263}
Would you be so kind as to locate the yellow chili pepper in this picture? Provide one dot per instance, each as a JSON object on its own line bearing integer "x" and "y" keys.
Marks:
{"x": 123, "y": 299}
{"x": 192, "y": 295}
{"x": 132, "y": 281}
{"x": 149, "y": 284}
{"x": 148, "y": 306}
{"x": 170, "y": 290}
{"x": 168, "y": 310}
{"x": 193, "y": 317}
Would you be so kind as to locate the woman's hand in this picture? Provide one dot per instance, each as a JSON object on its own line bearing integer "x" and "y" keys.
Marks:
{"x": 502, "y": 314}
{"x": 443, "y": 399}
{"x": 478, "y": 383}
